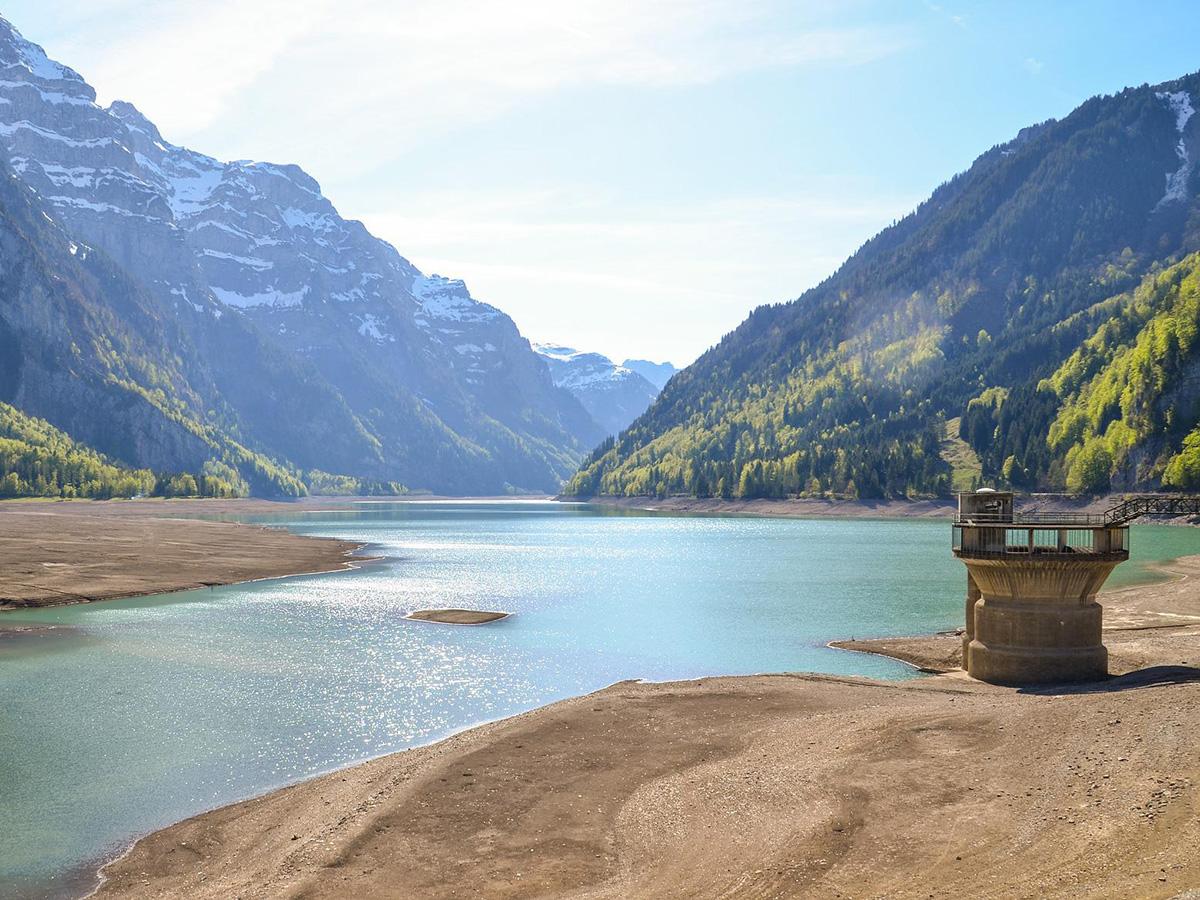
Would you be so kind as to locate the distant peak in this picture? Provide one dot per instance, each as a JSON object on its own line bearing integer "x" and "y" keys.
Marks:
{"x": 448, "y": 298}
{"x": 555, "y": 351}
{"x": 658, "y": 374}
{"x": 132, "y": 117}
{"x": 428, "y": 285}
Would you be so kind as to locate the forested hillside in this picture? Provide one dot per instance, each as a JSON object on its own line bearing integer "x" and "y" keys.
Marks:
{"x": 38, "y": 460}
{"x": 1042, "y": 298}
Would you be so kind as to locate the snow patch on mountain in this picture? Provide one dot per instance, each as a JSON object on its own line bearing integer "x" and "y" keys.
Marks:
{"x": 9, "y": 128}
{"x": 191, "y": 182}
{"x": 373, "y": 327}
{"x": 1180, "y": 103}
{"x": 448, "y": 300}
{"x": 253, "y": 262}
{"x": 54, "y": 97}
{"x": 275, "y": 298}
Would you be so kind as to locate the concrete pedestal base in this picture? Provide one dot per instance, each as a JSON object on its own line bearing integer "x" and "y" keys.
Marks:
{"x": 1020, "y": 665}
{"x": 1035, "y": 621}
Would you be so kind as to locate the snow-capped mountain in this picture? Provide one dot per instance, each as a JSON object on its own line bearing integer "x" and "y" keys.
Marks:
{"x": 431, "y": 386}
{"x": 614, "y": 395}
{"x": 658, "y": 374}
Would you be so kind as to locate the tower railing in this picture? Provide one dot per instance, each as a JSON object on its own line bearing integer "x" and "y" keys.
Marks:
{"x": 1033, "y": 517}
{"x": 1062, "y": 540}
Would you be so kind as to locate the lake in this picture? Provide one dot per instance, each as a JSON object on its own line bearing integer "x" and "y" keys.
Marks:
{"x": 141, "y": 712}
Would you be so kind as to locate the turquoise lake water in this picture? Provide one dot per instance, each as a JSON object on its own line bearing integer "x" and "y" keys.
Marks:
{"x": 140, "y": 712}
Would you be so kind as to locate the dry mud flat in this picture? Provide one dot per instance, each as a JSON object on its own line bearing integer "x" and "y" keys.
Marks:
{"x": 768, "y": 786}
{"x": 56, "y": 553}
{"x": 457, "y": 616}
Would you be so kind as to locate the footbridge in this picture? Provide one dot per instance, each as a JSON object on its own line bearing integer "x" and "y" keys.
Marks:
{"x": 1151, "y": 505}
{"x": 1032, "y": 581}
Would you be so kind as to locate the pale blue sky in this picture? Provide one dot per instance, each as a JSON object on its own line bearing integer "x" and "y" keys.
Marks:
{"x": 619, "y": 175}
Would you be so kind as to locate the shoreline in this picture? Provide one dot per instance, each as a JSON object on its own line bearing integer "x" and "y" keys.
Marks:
{"x": 92, "y": 528}
{"x": 798, "y": 508}
{"x": 66, "y": 553}
{"x": 943, "y": 508}
{"x": 787, "y": 784}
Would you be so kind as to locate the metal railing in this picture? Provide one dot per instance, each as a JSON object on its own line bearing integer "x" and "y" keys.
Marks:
{"x": 1122, "y": 514}
{"x": 1010, "y": 539}
{"x": 1151, "y": 505}
{"x": 1032, "y": 517}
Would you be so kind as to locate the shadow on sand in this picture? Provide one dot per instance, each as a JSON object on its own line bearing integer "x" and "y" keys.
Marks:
{"x": 1151, "y": 676}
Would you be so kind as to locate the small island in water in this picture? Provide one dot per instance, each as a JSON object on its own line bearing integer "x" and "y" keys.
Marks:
{"x": 457, "y": 616}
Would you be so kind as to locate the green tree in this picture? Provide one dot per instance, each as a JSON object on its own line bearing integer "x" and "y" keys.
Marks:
{"x": 1090, "y": 469}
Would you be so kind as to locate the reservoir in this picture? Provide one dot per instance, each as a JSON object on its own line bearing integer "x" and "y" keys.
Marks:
{"x": 136, "y": 713}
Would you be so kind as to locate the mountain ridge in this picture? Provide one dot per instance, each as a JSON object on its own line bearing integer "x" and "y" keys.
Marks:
{"x": 992, "y": 282}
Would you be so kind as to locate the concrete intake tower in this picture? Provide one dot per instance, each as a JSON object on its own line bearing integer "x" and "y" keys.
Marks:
{"x": 1032, "y": 580}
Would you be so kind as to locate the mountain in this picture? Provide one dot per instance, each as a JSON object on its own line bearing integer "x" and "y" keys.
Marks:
{"x": 1032, "y": 323}
{"x": 658, "y": 374}
{"x": 81, "y": 340}
{"x": 278, "y": 325}
{"x": 613, "y": 395}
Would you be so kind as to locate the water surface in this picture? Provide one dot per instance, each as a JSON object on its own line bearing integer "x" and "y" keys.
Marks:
{"x": 140, "y": 712}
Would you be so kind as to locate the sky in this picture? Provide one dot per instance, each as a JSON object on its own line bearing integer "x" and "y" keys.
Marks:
{"x": 625, "y": 176}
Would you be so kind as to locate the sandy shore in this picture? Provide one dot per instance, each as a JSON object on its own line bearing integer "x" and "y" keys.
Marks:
{"x": 764, "y": 786}
{"x": 57, "y": 553}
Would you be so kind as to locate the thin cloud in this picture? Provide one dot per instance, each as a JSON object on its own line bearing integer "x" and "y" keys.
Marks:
{"x": 391, "y": 75}
{"x": 186, "y": 64}
{"x": 542, "y": 256}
